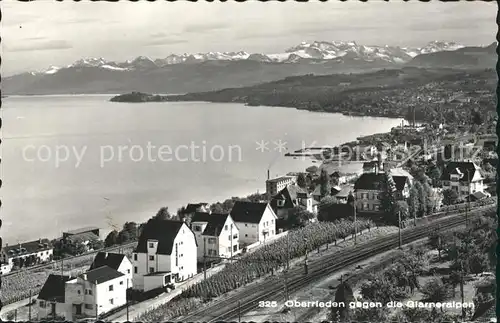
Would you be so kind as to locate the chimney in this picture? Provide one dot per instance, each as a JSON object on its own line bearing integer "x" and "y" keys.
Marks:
{"x": 268, "y": 175}
{"x": 39, "y": 240}
{"x": 84, "y": 276}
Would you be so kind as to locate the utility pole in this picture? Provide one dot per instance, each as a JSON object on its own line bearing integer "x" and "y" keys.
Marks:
{"x": 204, "y": 258}
{"x": 305, "y": 259}
{"x": 231, "y": 242}
{"x": 399, "y": 225}
{"x": 462, "y": 288}
{"x": 468, "y": 201}
{"x": 126, "y": 299}
{"x": 287, "y": 265}
{"x": 239, "y": 311}
{"x": 355, "y": 222}
{"x": 29, "y": 308}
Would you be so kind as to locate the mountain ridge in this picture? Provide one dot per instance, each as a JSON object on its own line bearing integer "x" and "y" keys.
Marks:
{"x": 238, "y": 69}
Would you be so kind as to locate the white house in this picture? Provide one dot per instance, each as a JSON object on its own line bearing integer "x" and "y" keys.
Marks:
{"x": 50, "y": 300}
{"x": 166, "y": 250}
{"x": 94, "y": 293}
{"x": 273, "y": 186}
{"x": 216, "y": 234}
{"x": 256, "y": 221}
{"x": 115, "y": 261}
{"x": 27, "y": 253}
{"x": 463, "y": 177}
{"x": 5, "y": 269}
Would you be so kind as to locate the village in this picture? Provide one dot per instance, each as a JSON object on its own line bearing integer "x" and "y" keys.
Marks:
{"x": 168, "y": 251}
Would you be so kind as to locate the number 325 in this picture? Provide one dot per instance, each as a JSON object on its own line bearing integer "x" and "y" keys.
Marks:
{"x": 268, "y": 304}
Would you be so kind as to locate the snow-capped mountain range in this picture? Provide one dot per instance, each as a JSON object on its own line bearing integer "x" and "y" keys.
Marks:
{"x": 318, "y": 50}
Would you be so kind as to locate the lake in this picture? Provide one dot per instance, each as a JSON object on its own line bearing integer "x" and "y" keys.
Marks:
{"x": 74, "y": 161}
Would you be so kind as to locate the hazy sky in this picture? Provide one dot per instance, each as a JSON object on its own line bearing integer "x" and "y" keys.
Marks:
{"x": 42, "y": 33}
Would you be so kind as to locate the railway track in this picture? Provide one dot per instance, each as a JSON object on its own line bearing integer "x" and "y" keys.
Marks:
{"x": 273, "y": 290}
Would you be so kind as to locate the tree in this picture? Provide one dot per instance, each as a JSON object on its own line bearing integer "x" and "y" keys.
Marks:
{"x": 299, "y": 217}
{"x": 123, "y": 237}
{"x": 434, "y": 174}
{"x": 111, "y": 239}
{"x": 414, "y": 202}
{"x": 302, "y": 181}
{"x": 401, "y": 209}
{"x": 476, "y": 117}
{"x": 131, "y": 228}
{"x": 345, "y": 295}
{"x": 435, "y": 290}
{"x": 478, "y": 262}
{"x": 323, "y": 207}
{"x": 163, "y": 214}
{"x": 450, "y": 197}
{"x": 324, "y": 182}
{"x": 387, "y": 198}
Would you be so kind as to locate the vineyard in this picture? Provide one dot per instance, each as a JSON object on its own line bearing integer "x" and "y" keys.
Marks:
{"x": 17, "y": 287}
{"x": 257, "y": 264}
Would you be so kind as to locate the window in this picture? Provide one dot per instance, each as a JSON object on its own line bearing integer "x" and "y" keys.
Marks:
{"x": 111, "y": 301}
{"x": 128, "y": 271}
{"x": 135, "y": 270}
{"x": 110, "y": 288}
{"x": 89, "y": 306}
{"x": 151, "y": 258}
{"x": 211, "y": 240}
{"x": 79, "y": 292}
{"x": 246, "y": 235}
{"x": 281, "y": 202}
{"x": 151, "y": 270}
{"x": 225, "y": 227}
{"x": 135, "y": 256}
{"x": 246, "y": 224}
{"x": 228, "y": 249}
{"x": 229, "y": 237}
{"x": 151, "y": 245}
{"x": 197, "y": 228}
{"x": 235, "y": 236}
{"x": 121, "y": 283}
{"x": 42, "y": 304}
{"x": 235, "y": 248}
{"x": 90, "y": 291}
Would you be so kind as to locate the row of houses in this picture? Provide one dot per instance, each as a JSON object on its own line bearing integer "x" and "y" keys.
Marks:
{"x": 25, "y": 254}
{"x": 167, "y": 252}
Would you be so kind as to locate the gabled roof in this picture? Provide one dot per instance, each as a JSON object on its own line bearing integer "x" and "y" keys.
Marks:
{"x": 400, "y": 182}
{"x": 289, "y": 194}
{"x": 478, "y": 196}
{"x": 31, "y": 247}
{"x": 164, "y": 231}
{"x": 248, "y": 212}
{"x": 200, "y": 217}
{"x": 344, "y": 191}
{"x": 101, "y": 275}
{"x": 369, "y": 181}
{"x": 53, "y": 289}
{"x": 216, "y": 224}
{"x": 112, "y": 260}
{"x": 463, "y": 168}
{"x": 193, "y": 207}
